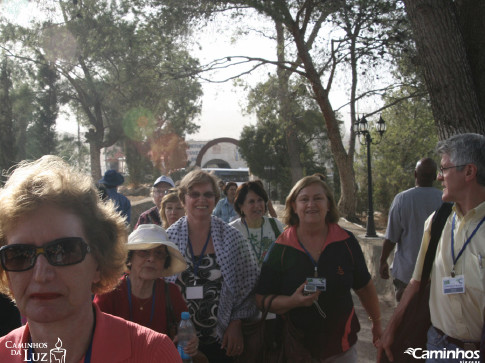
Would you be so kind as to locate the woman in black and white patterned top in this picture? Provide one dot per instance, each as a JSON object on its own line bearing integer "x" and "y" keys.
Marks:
{"x": 222, "y": 269}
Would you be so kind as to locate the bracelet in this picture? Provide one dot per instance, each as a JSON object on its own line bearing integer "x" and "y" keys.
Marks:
{"x": 378, "y": 319}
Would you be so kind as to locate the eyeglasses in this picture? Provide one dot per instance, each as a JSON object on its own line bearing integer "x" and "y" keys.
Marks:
{"x": 161, "y": 191}
{"x": 449, "y": 167}
{"x": 195, "y": 195}
{"x": 60, "y": 252}
{"x": 158, "y": 254}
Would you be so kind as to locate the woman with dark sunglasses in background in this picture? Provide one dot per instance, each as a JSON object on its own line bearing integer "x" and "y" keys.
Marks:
{"x": 60, "y": 244}
{"x": 222, "y": 269}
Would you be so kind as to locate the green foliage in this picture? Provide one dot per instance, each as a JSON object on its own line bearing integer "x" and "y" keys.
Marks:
{"x": 264, "y": 146}
{"x": 74, "y": 151}
{"x": 41, "y": 135}
{"x": 23, "y": 108}
{"x": 113, "y": 58}
{"x": 411, "y": 135}
{"x": 7, "y": 145}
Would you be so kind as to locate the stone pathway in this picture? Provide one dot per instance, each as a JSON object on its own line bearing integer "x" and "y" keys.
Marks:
{"x": 372, "y": 251}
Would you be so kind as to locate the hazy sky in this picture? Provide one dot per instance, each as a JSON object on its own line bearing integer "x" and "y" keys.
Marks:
{"x": 221, "y": 104}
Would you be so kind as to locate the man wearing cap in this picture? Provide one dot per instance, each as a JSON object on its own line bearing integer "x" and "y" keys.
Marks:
{"x": 159, "y": 189}
{"x": 112, "y": 180}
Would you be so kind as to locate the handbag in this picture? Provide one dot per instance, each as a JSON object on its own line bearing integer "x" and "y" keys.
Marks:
{"x": 416, "y": 320}
{"x": 262, "y": 338}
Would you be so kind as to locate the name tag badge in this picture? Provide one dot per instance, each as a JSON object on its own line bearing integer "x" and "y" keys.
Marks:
{"x": 314, "y": 284}
{"x": 194, "y": 292}
{"x": 454, "y": 285}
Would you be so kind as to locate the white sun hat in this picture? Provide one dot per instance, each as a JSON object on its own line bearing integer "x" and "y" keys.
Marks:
{"x": 149, "y": 236}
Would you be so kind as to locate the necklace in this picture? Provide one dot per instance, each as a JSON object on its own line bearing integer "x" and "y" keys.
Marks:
{"x": 142, "y": 304}
{"x": 130, "y": 303}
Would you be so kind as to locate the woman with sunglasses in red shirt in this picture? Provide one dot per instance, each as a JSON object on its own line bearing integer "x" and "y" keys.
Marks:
{"x": 60, "y": 244}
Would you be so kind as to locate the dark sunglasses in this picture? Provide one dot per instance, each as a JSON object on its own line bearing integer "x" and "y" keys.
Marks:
{"x": 207, "y": 195}
{"x": 156, "y": 253}
{"x": 60, "y": 252}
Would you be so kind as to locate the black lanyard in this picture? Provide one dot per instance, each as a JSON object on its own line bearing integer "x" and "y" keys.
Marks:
{"x": 130, "y": 303}
{"x": 455, "y": 260}
{"x": 199, "y": 260}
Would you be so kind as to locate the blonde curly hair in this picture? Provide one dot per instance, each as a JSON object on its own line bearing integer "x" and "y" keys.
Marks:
{"x": 50, "y": 180}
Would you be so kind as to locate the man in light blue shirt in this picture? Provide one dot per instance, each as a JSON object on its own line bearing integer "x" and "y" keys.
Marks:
{"x": 225, "y": 207}
{"x": 405, "y": 225}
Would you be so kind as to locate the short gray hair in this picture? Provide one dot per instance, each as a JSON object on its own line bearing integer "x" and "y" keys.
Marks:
{"x": 465, "y": 149}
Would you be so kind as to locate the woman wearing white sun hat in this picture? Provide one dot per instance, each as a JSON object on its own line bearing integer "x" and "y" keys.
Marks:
{"x": 142, "y": 294}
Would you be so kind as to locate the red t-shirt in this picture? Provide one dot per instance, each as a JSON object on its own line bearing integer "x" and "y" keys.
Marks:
{"x": 116, "y": 303}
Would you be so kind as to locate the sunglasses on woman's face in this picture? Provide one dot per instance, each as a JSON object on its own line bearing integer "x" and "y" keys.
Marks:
{"x": 60, "y": 252}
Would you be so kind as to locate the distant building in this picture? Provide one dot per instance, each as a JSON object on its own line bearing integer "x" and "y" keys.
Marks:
{"x": 193, "y": 150}
{"x": 113, "y": 158}
{"x": 220, "y": 155}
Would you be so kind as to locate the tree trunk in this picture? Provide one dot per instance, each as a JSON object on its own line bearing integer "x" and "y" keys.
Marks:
{"x": 94, "y": 155}
{"x": 286, "y": 114}
{"x": 471, "y": 15}
{"x": 7, "y": 140}
{"x": 344, "y": 161}
{"x": 447, "y": 72}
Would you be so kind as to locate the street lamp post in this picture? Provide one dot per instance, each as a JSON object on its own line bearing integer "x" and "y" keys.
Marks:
{"x": 362, "y": 128}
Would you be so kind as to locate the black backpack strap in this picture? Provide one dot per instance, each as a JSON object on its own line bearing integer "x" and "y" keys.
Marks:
{"x": 276, "y": 230}
{"x": 170, "y": 315}
{"x": 437, "y": 225}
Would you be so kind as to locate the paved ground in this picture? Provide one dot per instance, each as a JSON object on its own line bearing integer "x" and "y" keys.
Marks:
{"x": 371, "y": 247}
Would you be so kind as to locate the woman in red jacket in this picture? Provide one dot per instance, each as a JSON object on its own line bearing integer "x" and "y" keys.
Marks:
{"x": 143, "y": 296}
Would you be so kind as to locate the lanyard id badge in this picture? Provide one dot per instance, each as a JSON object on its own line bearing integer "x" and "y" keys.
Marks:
{"x": 194, "y": 292}
{"x": 454, "y": 285}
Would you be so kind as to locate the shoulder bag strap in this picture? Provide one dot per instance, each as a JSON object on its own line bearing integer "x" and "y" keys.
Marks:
{"x": 266, "y": 309}
{"x": 437, "y": 225}
{"x": 169, "y": 314}
{"x": 276, "y": 230}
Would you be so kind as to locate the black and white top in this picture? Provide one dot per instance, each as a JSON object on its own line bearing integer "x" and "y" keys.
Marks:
{"x": 228, "y": 277}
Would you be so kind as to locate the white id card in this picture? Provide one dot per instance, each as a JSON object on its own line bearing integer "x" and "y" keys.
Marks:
{"x": 194, "y": 292}
{"x": 454, "y": 285}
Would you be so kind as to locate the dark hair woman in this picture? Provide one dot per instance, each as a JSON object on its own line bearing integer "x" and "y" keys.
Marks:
{"x": 260, "y": 231}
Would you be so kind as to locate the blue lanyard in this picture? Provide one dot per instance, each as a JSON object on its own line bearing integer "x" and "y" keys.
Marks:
{"x": 258, "y": 254}
{"x": 202, "y": 253}
{"x": 130, "y": 303}
{"x": 315, "y": 264}
{"x": 87, "y": 356}
{"x": 455, "y": 260}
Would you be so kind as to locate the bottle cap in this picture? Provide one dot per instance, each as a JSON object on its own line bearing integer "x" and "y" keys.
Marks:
{"x": 185, "y": 315}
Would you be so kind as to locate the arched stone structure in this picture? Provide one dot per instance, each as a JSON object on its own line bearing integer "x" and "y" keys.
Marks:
{"x": 211, "y": 143}
{"x": 217, "y": 163}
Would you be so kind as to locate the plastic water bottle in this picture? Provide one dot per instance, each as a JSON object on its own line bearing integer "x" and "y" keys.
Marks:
{"x": 185, "y": 333}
